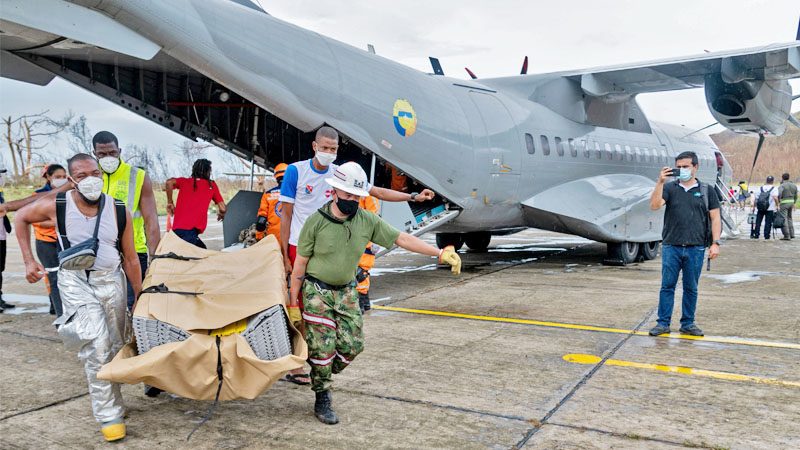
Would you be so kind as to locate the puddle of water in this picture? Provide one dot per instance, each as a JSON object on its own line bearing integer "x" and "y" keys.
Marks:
{"x": 740, "y": 277}
{"x": 513, "y": 261}
{"x": 38, "y": 304}
{"x": 508, "y": 248}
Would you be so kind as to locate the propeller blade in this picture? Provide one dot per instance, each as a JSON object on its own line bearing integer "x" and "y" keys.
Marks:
{"x": 524, "y": 66}
{"x": 794, "y": 121}
{"x": 437, "y": 66}
{"x": 701, "y": 129}
{"x": 795, "y": 97}
{"x": 761, "y": 138}
{"x": 471, "y": 75}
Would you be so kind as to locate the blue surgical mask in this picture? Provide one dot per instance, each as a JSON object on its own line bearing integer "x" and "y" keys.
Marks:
{"x": 686, "y": 174}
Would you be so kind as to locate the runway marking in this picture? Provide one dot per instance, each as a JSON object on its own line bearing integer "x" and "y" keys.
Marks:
{"x": 580, "y": 358}
{"x": 571, "y": 326}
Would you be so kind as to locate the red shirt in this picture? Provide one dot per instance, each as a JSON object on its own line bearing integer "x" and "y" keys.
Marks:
{"x": 191, "y": 209}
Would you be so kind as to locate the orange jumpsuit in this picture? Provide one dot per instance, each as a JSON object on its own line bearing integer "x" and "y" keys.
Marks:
{"x": 367, "y": 261}
{"x": 271, "y": 209}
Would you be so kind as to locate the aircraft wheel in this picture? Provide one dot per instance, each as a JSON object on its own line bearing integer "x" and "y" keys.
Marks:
{"x": 622, "y": 253}
{"x": 649, "y": 250}
{"x": 478, "y": 240}
{"x": 454, "y": 239}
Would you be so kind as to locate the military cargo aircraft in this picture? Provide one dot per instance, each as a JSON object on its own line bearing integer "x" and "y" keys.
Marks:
{"x": 570, "y": 151}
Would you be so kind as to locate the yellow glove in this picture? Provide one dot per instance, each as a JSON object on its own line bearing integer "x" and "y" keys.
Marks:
{"x": 294, "y": 316}
{"x": 448, "y": 255}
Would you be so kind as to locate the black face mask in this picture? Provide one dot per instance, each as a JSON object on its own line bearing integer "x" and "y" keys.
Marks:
{"x": 348, "y": 207}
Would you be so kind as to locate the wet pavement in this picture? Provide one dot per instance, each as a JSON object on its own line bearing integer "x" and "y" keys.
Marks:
{"x": 535, "y": 345}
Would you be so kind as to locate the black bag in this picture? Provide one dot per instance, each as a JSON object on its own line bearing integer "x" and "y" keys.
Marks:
{"x": 762, "y": 202}
{"x": 83, "y": 255}
{"x": 778, "y": 221}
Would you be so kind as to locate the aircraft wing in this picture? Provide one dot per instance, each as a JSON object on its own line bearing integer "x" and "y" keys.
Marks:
{"x": 771, "y": 62}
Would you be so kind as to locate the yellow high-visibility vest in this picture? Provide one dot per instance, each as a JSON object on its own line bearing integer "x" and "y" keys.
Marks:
{"x": 126, "y": 185}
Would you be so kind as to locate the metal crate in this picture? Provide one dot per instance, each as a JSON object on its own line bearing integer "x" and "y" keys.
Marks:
{"x": 268, "y": 334}
{"x": 153, "y": 332}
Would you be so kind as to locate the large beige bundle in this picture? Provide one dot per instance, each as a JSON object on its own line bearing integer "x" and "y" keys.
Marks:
{"x": 233, "y": 290}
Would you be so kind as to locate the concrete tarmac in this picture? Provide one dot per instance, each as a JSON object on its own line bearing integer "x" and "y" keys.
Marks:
{"x": 480, "y": 361}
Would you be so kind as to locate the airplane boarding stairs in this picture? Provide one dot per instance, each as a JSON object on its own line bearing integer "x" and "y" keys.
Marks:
{"x": 729, "y": 216}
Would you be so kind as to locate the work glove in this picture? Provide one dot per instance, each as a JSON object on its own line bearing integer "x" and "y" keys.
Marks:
{"x": 261, "y": 223}
{"x": 294, "y": 316}
{"x": 448, "y": 255}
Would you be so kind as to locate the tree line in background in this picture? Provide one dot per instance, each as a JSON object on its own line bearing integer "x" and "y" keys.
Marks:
{"x": 779, "y": 154}
{"x": 36, "y": 140}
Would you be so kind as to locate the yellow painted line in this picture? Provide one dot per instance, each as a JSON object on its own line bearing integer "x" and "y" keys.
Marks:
{"x": 572, "y": 326}
{"x": 580, "y": 358}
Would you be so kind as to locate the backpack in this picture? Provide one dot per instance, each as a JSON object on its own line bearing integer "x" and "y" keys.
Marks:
{"x": 61, "y": 215}
{"x": 762, "y": 202}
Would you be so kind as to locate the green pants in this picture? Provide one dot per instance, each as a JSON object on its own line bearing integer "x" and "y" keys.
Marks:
{"x": 333, "y": 331}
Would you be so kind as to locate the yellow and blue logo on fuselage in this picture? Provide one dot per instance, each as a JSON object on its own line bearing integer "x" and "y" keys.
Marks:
{"x": 405, "y": 119}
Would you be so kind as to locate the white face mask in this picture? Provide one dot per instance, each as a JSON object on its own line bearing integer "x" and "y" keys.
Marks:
{"x": 109, "y": 164}
{"x": 91, "y": 187}
{"x": 58, "y": 182}
{"x": 325, "y": 159}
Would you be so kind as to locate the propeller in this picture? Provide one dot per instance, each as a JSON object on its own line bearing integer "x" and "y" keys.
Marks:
{"x": 792, "y": 119}
{"x": 524, "y": 66}
{"x": 761, "y": 138}
{"x": 471, "y": 75}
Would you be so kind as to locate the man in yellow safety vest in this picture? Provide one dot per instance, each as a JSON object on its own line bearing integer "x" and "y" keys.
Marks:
{"x": 132, "y": 186}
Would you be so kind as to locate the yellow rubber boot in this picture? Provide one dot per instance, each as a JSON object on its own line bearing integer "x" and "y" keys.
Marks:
{"x": 113, "y": 432}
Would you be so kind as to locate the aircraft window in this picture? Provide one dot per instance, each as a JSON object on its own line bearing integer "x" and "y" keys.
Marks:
{"x": 585, "y": 146}
{"x": 608, "y": 153}
{"x": 598, "y": 153}
{"x": 638, "y": 152}
{"x": 529, "y": 143}
{"x": 628, "y": 153}
{"x": 559, "y": 146}
{"x": 545, "y": 145}
{"x": 573, "y": 150}
{"x": 617, "y": 152}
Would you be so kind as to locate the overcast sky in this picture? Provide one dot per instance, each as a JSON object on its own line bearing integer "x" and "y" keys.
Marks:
{"x": 491, "y": 38}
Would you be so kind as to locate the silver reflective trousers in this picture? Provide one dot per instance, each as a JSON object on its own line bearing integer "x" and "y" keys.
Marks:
{"x": 95, "y": 324}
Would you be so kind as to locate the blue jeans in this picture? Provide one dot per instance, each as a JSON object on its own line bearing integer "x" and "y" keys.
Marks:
{"x": 675, "y": 259}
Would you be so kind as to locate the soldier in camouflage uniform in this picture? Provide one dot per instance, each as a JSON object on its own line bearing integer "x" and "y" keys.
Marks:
{"x": 328, "y": 251}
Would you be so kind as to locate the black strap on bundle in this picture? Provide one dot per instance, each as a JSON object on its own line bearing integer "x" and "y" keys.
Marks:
{"x": 213, "y": 406}
{"x": 173, "y": 255}
{"x": 163, "y": 289}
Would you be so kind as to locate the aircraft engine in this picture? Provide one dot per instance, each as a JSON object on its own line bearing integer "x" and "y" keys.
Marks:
{"x": 749, "y": 105}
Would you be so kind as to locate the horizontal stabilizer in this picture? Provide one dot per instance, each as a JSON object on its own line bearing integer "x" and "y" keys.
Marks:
{"x": 79, "y": 23}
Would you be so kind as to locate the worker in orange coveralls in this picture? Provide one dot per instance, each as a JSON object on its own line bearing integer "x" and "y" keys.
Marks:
{"x": 269, "y": 213}
{"x": 367, "y": 260}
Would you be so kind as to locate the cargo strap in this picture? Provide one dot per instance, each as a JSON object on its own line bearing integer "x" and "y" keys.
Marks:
{"x": 163, "y": 289}
{"x": 213, "y": 406}
{"x": 172, "y": 255}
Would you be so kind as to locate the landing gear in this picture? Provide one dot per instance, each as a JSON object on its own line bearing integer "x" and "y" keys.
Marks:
{"x": 454, "y": 239}
{"x": 649, "y": 250}
{"x": 478, "y": 240}
{"x": 620, "y": 254}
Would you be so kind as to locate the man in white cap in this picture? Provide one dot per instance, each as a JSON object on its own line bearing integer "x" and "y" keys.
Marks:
{"x": 329, "y": 248}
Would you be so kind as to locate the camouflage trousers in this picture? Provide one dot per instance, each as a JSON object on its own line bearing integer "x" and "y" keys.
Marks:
{"x": 333, "y": 331}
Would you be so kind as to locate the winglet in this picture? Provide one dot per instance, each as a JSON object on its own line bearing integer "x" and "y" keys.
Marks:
{"x": 437, "y": 67}
{"x": 471, "y": 75}
{"x": 524, "y": 67}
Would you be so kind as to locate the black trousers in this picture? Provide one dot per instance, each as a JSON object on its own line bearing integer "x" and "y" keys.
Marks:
{"x": 761, "y": 216}
{"x": 2, "y": 264}
{"x": 143, "y": 263}
{"x": 48, "y": 256}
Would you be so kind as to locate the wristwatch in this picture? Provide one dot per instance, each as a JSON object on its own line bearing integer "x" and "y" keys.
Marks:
{"x": 718, "y": 242}
{"x": 413, "y": 196}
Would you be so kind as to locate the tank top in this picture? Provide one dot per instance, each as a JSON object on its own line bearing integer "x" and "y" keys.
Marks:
{"x": 81, "y": 228}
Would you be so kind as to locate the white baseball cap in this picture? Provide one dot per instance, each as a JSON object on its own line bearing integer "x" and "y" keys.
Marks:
{"x": 351, "y": 178}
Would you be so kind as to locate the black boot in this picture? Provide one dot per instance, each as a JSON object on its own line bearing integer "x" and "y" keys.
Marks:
{"x": 363, "y": 302}
{"x": 5, "y": 305}
{"x": 323, "y": 410}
